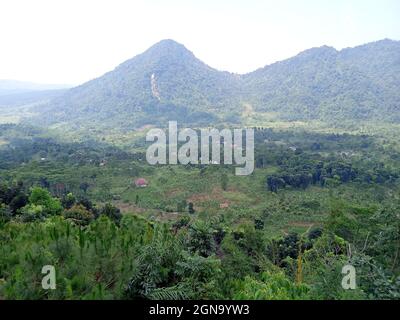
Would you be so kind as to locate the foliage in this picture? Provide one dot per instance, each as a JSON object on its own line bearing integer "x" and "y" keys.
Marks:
{"x": 41, "y": 197}
{"x": 78, "y": 214}
{"x": 270, "y": 286}
{"x": 337, "y": 205}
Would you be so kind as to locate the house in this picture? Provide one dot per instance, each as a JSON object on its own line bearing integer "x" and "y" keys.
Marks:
{"x": 141, "y": 183}
{"x": 102, "y": 163}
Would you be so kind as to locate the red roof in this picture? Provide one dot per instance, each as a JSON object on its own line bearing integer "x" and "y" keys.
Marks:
{"x": 141, "y": 182}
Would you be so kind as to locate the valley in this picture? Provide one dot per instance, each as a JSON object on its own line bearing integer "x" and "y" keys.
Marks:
{"x": 77, "y": 193}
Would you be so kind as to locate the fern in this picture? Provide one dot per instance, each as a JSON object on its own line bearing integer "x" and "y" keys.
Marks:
{"x": 177, "y": 292}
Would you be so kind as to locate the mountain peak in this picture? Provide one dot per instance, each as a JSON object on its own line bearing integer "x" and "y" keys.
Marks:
{"x": 168, "y": 46}
{"x": 387, "y": 41}
{"x": 160, "y": 55}
{"x": 318, "y": 51}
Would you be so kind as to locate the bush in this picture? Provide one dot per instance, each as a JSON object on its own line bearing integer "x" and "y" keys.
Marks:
{"x": 271, "y": 286}
{"x": 112, "y": 212}
{"x": 79, "y": 214}
{"x": 41, "y": 197}
{"x": 32, "y": 212}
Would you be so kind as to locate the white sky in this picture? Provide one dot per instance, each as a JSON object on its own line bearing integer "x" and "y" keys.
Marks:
{"x": 72, "y": 41}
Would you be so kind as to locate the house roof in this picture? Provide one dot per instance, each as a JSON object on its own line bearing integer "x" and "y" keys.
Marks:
{"x": 141, "y": 182}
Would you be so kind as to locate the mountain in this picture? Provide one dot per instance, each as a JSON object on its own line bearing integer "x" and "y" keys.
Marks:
{"x": 360, "y": 83}
{"x": 167, "y": 82}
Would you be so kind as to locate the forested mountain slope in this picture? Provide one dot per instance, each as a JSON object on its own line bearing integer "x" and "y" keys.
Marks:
{"x": 167, "y": 82}
{"x": 322, "y": 83}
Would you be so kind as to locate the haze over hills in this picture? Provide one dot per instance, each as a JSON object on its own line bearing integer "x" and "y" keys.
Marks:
{"x": 17, "y": 97}
{"x": 167, "y": 82}
{"x": 10, "y": 87}
{"x": 27, "y": 98}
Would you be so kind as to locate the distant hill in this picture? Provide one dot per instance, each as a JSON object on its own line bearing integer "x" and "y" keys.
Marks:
{"x": 168, "y": 82}
{"x": 30, "y": 97}
{"x": 360, "y": 83}
{"x": 10, "y": 87}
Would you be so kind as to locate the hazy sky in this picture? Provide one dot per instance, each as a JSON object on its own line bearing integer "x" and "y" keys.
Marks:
{"x": 72, "y": 41}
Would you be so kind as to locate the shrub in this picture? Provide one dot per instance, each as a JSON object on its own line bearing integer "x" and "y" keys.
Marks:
{"x": 79, "y": 214}
{"x": 41, "y": 197}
